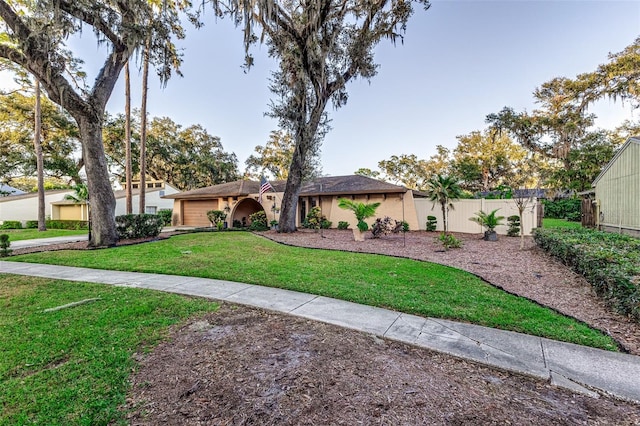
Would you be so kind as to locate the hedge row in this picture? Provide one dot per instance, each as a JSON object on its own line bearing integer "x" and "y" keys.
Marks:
{"x": 610, "y": 262}
{"x": 131, "y": 226}
{"x": 61, "y": 224}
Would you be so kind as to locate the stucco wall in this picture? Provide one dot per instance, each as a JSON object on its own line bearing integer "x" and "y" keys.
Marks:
{"x": 24, "y": 208}
{"x": 152, "y": 199}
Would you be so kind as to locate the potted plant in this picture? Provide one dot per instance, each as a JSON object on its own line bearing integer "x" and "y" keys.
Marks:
{"x": 489, "y": 221}
{"x": 362, "y": 211}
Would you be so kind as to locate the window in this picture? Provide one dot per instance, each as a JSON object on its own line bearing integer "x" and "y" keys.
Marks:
{"x": 135, "y": 186}
{"x": 158, "y": 184}
{"x": 149, "y": 185}
{"x": 151, "y": 209}
{"x": 162, "y": 193}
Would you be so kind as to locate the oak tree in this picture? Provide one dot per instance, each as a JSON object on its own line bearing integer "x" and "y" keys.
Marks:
{"x": 320, "y": 46}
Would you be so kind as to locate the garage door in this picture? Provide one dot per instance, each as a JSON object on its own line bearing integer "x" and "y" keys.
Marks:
{"x": 195, "y": 212}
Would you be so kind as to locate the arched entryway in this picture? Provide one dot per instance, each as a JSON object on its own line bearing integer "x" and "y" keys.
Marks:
{"x": 239, "y": 216}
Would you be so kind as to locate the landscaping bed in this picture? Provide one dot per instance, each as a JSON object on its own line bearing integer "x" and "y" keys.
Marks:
{"x": 531, "y": 272}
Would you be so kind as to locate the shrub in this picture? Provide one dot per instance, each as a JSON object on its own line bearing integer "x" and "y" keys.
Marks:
{"x": 610, "y": 262}
{"x": 405, "y": 226}
{"x": 514, "y": 225}
{"x": 449, "y": 241}
{"x": 343, "y": 225}
{"x": 563, "y": 209}
{"x": 216, "y": 217}
{"x": 67, "y": 224}
{"x": 166, "y": 215}
{"x": 258, "y": 221}
{"x": 385, "y": 226}
{"x": 11, "y": 224}
{"x": 132, "y": 226}
{"x": 237, "y": 223}
{"x": 31, "y": 224}
{"x": 4, "y": 245}
{"x": 432, "y": 223}
{"x": 315, "y": 220}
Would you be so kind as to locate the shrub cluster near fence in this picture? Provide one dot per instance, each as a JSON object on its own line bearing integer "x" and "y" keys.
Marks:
{"x": 610, "y": 262}
{"x": 568, "y": 208}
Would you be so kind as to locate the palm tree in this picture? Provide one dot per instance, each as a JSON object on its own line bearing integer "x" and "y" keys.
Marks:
{"x": 81, "y": 194}
{"x": 361, "y": 210}
{"x": 488, "y": 221}
{"x": 443, "y": 190}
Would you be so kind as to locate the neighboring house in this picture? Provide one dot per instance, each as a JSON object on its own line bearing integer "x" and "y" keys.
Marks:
{"x": 24, "y": 207}
{"x": 617, "y": 191}
{"x": 70, "y": 210}
{"x": 239, "y": 200}
{"x": 6, "y": 190}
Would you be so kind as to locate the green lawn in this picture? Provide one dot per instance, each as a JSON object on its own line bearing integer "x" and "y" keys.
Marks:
{"x": 560, "y": 223}
{"x": 30, "y": 234}
{"x": 405, "y": 285}
{"x": 72, "y": 366}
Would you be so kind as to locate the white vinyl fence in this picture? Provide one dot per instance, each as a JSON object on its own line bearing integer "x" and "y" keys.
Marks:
{"x": 458, "y": 220}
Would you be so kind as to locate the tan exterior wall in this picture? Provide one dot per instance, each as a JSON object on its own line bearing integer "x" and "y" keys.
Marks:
{"x": 70, "y": 212}
{"x": 618, "y": 192}
{"x": 395, "y": 206}
{"x": 458, "y": 220}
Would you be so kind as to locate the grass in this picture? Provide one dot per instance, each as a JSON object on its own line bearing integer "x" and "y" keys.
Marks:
{"x": 404, "y": 285}
{"x": 30, "y": 234}
{"x": 72, "y": 366}
{"x": 560, "y": 223}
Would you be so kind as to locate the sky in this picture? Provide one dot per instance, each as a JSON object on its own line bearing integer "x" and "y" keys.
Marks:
{"x": 459, "y": 61}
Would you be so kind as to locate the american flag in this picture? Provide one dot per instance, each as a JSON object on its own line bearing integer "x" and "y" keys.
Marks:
{"x": 264, "y": 187}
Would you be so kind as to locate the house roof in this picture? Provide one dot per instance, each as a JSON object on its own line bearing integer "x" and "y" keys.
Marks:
{"x": 328, "y": 185}
{"x": 32, "y": 195}
{"x": 352, "y": 184}
{"x": 10, "y": 190}
{"x": 633, "y": 139}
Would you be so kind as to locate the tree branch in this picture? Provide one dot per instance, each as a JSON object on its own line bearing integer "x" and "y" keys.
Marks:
{"x": 92, "y": 19}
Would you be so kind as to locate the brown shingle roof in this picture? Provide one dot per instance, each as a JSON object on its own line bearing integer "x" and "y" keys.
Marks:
{"x": 347, "y": 185}
{"x": 330, "y": 185}
{"x": 237, "y": 188}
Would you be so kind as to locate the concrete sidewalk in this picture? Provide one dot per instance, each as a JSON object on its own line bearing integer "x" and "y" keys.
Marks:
{"x": 578, "y": 368}
{"x": 47, "y": 241}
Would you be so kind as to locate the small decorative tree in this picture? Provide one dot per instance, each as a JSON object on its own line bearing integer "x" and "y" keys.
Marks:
{"x": 489, "y": 222}
{"x": 217, "y": 217}
{"x": 432, "y": 223}
{"x": 514, "y": 225}
{"x": 362, "y": 211}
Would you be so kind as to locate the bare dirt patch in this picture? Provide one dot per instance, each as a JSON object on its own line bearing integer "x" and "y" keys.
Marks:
{"x": 243, "y": 366}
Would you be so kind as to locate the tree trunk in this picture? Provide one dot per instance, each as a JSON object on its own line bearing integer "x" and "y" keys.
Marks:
{"x": 143, "y": 130}
{"x": 444, "y": 216}
{"x": 127, "y": 139}
{"x": 42, "y": 225}
{"x": 102, "y": 201}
